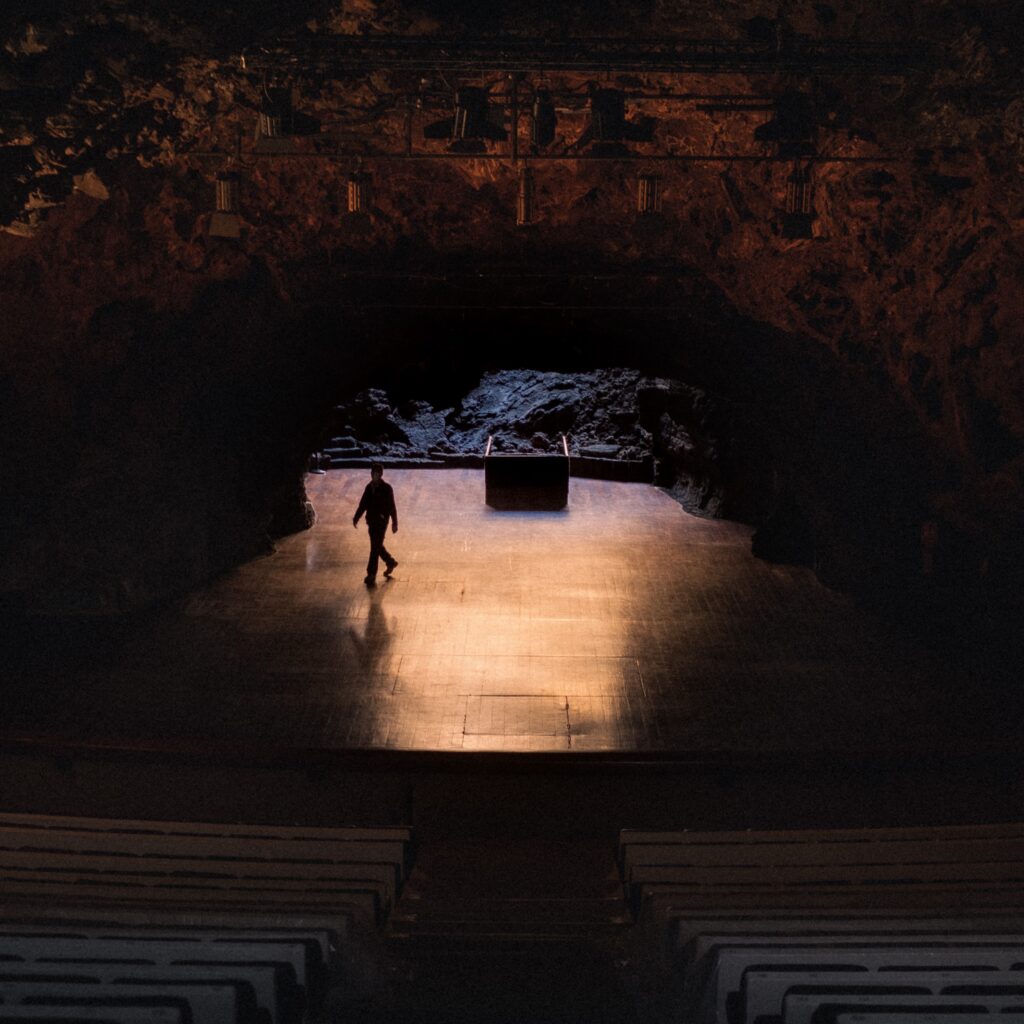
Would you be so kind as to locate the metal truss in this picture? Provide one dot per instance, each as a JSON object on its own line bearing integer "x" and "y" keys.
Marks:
{"x": 796, "y": 54}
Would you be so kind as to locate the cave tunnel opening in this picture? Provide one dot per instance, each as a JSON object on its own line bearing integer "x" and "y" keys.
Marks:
{"x": 525, "y": 378}
{"x": 775, "y": 424}
{"x": 201, "y": 424}
{"x": 811, "y": 448}
{"x": 505, "y": 630}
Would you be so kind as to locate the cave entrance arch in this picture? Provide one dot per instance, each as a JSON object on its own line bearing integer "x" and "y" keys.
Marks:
{"x": 816, "y": 448}
{"x": 421, "y": 337}
{"x": 354, "y": 327}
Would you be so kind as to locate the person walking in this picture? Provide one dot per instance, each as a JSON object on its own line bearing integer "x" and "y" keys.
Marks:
{"x": 378, "y": 503}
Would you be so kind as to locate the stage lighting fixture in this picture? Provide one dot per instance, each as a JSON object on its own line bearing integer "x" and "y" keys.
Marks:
{"x": 793, "y": 127}
{"x": 524, "y": 197}
{"x": 608, "y": 114}
{"x": 470, "y": 123}
{"x": 225, "y": 222}
{"x": 226, "y": 195}
{"x": 648, "y": 194}
{"x": 275, "y": 116}
{"x": 358, "y": 191}
{"x": 276, "y": 120}
{"x": 542, "y": 126}
{"x": 608, "y": 128}
{"x": 797, "y": 221}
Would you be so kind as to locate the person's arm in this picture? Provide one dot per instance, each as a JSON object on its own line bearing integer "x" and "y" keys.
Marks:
{"x": 363, "y": 502}
{"x": 394, "y": 511}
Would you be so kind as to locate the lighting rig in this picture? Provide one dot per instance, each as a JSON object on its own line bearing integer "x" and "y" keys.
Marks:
{"x": 793, "y": 126}
{"x": 275, "y": 113}
{"x": 543, "y": 119}
{"x": 357, "y": 192}
{"x": 472, "y": 122}
{"x": 524, "y": 197}
{"x": 648, "y": 194}
{"x": 225, "y": 222}
{"x": 757, "y": 52}
{"x": 798, "y": 220}
{"x": 485, "y": 119}
{"x": 609, "y": 130}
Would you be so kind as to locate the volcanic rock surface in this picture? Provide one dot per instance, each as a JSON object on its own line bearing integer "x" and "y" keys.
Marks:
{"x": 161, "y": 387}
{"x": 700, "y": 455}
{"x": 523, "y": 410}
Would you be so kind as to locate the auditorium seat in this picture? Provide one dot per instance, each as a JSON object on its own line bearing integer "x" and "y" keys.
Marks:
{"x": 735, "y": 926}
{"x": 307, "y": 952}
{"x": 204, "y": 1004}
{"x": 728, "y": 965}
{"x": 811, "y": 1008}
{"x": 220, "y": 865}
{"x": 270, "y": 969}
{"x": 212, "y": 923}
{"x": 262, "y": 992}
{"x": 754, "y": 988}
{"x": 91, "y": 1015}
{"x": 887, "y": 1017}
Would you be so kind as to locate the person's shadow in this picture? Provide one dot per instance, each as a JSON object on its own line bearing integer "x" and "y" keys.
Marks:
{"x": 372, "y": 643}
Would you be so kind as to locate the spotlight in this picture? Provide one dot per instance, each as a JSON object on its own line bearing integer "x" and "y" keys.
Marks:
{"x": 470, "y": 114}
{"x": 524, "y": 197}
{"x": 793, "y": 127}
{"x": 542, "y": 127}
{"x": 648, "y": 194}
{"x": 608, "y": 128}
{"x": 275, "y": 116}
{"x": 358, "y": 191}
{"x": 470, "y": 123}
{"x": 226, "y": 196}
{"x": 225, "y": 222}
{"x": 276, "y": 120}
{"x": 797, "y": 221}
{"x": 608, "y": 114}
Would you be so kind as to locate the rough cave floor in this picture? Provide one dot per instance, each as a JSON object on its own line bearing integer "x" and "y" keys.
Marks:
{"x": 620, "y": 624}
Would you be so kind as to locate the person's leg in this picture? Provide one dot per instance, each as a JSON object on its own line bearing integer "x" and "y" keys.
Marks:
{"x": 376, "y": 546}
{"x": 389, "y": 559}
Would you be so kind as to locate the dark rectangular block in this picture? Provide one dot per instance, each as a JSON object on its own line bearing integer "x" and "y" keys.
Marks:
{"x": 526, "y": 482}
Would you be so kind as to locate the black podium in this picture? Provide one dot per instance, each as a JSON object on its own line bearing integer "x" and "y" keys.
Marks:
{"x": 526, "y": 482}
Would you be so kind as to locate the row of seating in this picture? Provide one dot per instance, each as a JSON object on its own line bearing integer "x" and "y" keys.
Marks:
{"x": 167, "y": 921}
{"x": 91, "y": 1015}
{"x": 805, "y": 927}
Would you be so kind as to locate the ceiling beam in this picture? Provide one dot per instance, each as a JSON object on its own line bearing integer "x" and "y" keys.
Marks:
{"x": 796, "y": 54}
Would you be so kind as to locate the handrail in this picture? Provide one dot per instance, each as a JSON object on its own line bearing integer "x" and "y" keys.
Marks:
{"x": 490, "y": 441}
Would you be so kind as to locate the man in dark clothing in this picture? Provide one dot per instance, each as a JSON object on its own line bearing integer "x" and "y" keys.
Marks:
{"x": 378, "y": 502}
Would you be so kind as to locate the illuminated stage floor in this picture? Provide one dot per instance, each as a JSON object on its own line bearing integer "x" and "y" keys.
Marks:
{"x": 620, "y": 624}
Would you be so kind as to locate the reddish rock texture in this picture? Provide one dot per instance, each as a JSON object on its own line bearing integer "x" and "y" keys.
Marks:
{"x": 161, "y": 388}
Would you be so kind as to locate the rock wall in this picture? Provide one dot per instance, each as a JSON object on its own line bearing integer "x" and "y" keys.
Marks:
{"x": 127, "y": 459}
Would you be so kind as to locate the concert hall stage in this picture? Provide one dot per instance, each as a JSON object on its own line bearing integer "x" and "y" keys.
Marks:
{"x": 621, "y": 624}
{"x": 620, "y": 663}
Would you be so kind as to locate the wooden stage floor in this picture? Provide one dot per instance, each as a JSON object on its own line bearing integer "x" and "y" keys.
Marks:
{"x": 621, "y": 624}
